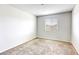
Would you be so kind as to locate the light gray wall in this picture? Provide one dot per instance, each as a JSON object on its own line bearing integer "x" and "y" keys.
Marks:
{"x": 64, "y": 27}
{"x": 16, "y": 27}
{"x": 75, "y": 28}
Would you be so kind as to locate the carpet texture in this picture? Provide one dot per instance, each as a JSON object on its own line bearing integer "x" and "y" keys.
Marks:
{"x": 42, "y": 47}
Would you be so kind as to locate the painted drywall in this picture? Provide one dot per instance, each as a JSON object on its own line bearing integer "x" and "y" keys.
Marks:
{"x": 75, "y": 28}
{"x": 16, "y": 27}
{"x": 64, "y": 27}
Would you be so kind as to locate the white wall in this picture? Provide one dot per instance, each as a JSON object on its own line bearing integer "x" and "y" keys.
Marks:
{"x": 75, "y": 28}
{"x": 16, "y": 27}
{"x": 64, "y": 27}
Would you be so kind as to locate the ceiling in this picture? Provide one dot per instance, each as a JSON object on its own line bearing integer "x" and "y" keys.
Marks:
{"x": 44, "y": 9}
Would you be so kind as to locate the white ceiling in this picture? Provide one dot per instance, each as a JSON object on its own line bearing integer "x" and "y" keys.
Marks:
{"x": 38, "y": 9}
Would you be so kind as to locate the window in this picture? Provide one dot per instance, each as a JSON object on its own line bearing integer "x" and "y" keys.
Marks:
{"x": 51, "y": 25}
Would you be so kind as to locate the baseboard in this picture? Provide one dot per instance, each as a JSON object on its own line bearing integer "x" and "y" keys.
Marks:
{"x": 55, "y": 39}
{"x": 40, "y": 38}
{"x": 75, "y": 48}
{"x": 17, "y": 45}
{"x": 62, "y": 41}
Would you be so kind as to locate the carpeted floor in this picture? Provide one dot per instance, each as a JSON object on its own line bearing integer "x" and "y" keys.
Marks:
{"x": 42, "y": 47}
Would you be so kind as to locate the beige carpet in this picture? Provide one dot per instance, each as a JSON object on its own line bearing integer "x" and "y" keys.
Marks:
{"x": 42, "y": 47}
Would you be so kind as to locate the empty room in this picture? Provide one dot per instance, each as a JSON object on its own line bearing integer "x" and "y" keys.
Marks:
{"x": 39, "y": 29}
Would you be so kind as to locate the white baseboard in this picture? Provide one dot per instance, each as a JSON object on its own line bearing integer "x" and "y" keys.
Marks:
{"x": 17, "y": 44}
{"x": 55, "y": 39}
{"x": 75, "y": 47}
